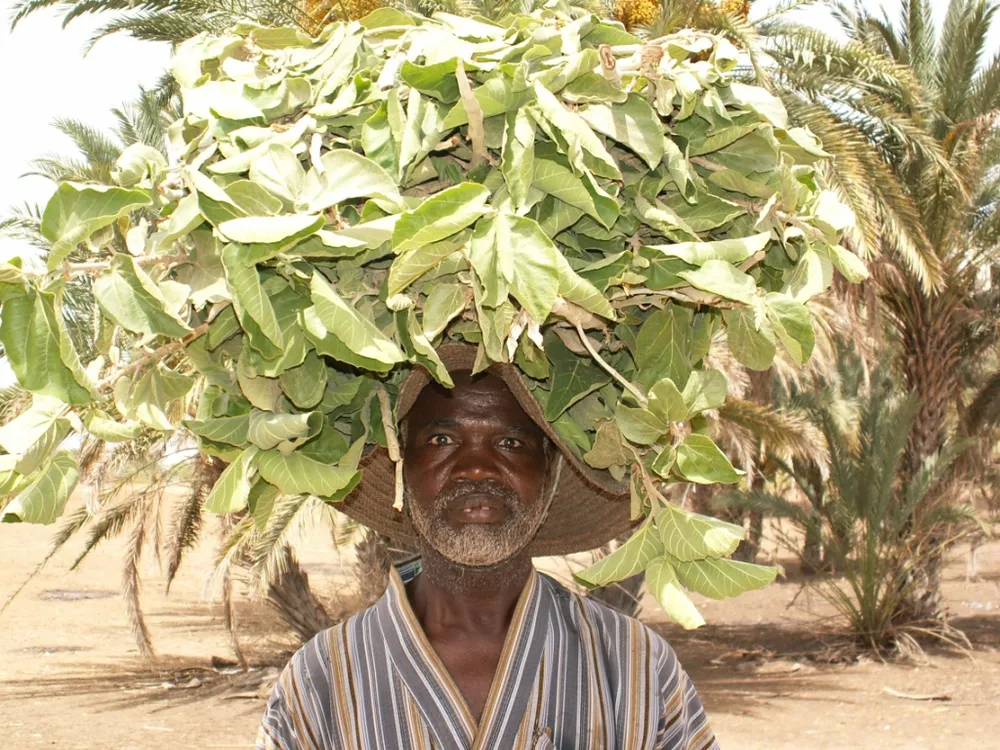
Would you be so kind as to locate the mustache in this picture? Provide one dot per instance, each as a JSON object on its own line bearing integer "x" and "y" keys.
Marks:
{"x": 461, "y": 491}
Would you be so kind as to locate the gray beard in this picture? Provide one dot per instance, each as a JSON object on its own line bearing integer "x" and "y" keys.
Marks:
{"x": 478, "y": 545}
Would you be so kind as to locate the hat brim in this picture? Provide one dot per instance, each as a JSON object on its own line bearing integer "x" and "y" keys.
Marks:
{"x": 589, "y": 509}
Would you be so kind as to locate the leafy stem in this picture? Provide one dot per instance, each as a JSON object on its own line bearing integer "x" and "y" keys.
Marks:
{"x": 639, "y": 396}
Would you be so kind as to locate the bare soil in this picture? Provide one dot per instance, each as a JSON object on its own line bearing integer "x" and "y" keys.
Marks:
{"x": 770, "y": 666}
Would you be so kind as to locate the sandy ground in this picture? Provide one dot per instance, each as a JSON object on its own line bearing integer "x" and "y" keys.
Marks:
{"x": 71, "y": 676}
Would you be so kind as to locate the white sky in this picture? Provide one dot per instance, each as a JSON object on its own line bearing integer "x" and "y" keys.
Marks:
{"x": 46, "y": 76}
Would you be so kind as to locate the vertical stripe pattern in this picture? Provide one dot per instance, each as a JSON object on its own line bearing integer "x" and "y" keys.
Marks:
{"x": 573, "y": 675}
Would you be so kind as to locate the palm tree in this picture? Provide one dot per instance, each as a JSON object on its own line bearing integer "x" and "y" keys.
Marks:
{"x": 874, "y": 528}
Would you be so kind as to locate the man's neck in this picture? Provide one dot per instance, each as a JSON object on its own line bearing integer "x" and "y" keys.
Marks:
{"x": 451, "y": 598}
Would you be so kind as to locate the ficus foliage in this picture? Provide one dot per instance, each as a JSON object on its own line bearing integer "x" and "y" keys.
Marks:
{"x": 596, "y": 209}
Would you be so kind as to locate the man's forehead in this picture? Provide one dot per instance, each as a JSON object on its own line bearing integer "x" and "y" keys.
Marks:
{"x": 477, "y": 397}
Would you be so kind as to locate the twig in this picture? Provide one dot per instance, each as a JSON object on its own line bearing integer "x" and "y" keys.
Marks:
{"x": 70, "y": 270}
{"x": 154, "y": 356}
{"x": 391, "y": 443}
{"x": 917, "y": 696}
{"x": 609, "y": 369}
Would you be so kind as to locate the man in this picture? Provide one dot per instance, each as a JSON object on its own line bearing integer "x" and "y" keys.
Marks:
{"x": 479, "y": 651}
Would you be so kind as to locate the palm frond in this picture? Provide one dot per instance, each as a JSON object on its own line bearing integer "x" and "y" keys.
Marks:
{"x": 784, "y": 432}
{"x": 963, "y": 53}
{"x": 132, "y": 584}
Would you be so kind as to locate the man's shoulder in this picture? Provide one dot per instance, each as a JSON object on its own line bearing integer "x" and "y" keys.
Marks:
{"x": 316, "y": 652}
{"x": 617, "y": 629}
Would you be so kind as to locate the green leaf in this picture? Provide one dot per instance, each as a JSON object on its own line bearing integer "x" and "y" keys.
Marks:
{"x": 690, "y": 537}
{"x": 103, "y": 427}
{"x": 32, "y": 436}
{"x": 750, "y": 346}
{"x": 232, "y": 489}
{"x": 592, "y": 88}
{"x": 253, "y": 199}
{"x": 663, "y": 346}
{"x": 284, "y": 231}
{"x": 722, "y": 278}
{"x": 149, "y": 395}
{"x": 792, "y": 326}
{"x": 663, "y": 584}
{"x": 705, "y": 389}
{"x": 629, "y": 559}
{"x": 249, "y": 298}
{"x": 557, "y": 77}
{"x": 720, "y": 579}
{"x": 43, "y": 500}
{"x": 277, "y": 169}
{"x": 131, "y": 299}
{"x": 269, "y": 430}
{"x": 261, "y": 503}
{"x": 731, "y": 250}
{"x": 850, "y": 265}
{"x": 413, "y": 264}
{"x": 440, "y": 216}
{"x": 632, "y": 123}
{"x": 811, "y": 276}
{"x": 666, "y": 402}
{"x": 573, "y": 288}
{"x": 609, "y": 449}
{"x": 443, "y": 304}
{"x": 699, "y": 460}
{"x": 715, "y": 140}
{"x": 39, "y": 350}
{"x": 305, "y": 384}
{"x": 347, "y": 176}
{"x": 583, "y": 147}
{"x": 297, "y": 474}
{"x": 558, "y": 180}
{"x": 437, "y": 80}
{"x": 356, "y": 332}
{"x": 639, "y": 425}
{"x": 710, "y": 212}
{"x": 571, "y": 377}
{"x": 495, "y": 97}
{"x": 77, "y": 211}
{"x": 533, "y": 262}
{"x": 518, "y": 164}
{"x": 663, "y": 462}
{"x": 761, "y": 101}
{"x": 228, "y": 430}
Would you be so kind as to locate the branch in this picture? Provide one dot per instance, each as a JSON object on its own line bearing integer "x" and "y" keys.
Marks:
{"x": 93, "y": 268}
{"x": 154, "y": 356}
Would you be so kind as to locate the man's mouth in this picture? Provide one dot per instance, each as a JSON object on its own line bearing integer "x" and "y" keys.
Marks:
{"x": 479, "y": 509}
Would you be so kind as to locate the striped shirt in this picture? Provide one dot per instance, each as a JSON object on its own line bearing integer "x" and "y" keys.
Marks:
{"x": 573, "y": 674}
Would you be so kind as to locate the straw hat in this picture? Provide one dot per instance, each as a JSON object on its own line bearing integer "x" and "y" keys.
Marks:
{"x": 589, "y": 508}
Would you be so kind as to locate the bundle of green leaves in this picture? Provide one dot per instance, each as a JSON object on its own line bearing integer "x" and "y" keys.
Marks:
{"x": 594, "y": 208}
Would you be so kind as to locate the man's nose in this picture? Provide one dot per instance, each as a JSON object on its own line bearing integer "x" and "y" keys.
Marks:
{"x": 475, "y": 461}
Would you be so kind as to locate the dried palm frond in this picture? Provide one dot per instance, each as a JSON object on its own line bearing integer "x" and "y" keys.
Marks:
{"x": 131, "y": 582}
{"x": 786, "y": 433}
{"x": 187, "y": 521}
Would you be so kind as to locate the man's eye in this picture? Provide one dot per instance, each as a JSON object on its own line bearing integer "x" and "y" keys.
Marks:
{"x": 440, "y": 440}
{"x": 510, "y": 443}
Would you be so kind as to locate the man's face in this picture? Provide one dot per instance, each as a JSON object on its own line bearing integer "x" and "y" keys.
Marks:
{"x": 475, "y": 469}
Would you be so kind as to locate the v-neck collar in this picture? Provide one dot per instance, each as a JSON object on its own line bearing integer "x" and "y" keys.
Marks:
{"x": 437, "y": 696}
